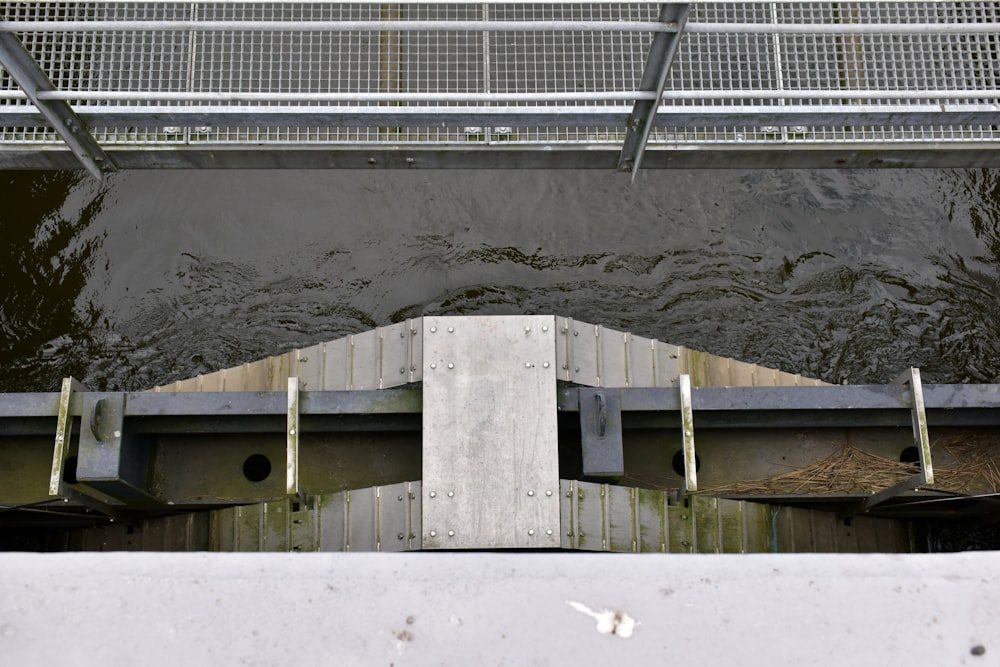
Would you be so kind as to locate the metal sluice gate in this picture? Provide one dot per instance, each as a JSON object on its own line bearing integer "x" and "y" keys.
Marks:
{"x": 480, "y": 84}
{"x": 521, "y": 432}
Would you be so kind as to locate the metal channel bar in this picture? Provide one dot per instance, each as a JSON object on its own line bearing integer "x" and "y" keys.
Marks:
{"x": 292, "y": 439}
{"x": 654, "y": 79}
{"x": 336, "y": 26}
{"x": 32, "y": 80}
{"x": 687, "y": 434}
{"x": 504, "y": 26}
{"x": 581, "y": 96}
{"x": 886, "y": 115}
{"x": 799, "y": 407}
{"x": 718, "y": 407}
{"x": 920, "y": 438}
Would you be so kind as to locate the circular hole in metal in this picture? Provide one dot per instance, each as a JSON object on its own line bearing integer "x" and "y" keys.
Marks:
{"x": 677, "y": 463}
{"x": 69, "y": 470}
{"x": 257, "y": 468}
{"x": 909, "y": 455}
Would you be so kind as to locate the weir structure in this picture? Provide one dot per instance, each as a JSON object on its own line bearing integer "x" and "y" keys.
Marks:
{"x": 515, "y": 432}
{"x": 462, "y": 84}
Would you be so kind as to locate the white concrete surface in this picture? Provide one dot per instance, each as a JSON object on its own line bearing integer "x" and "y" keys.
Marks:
{"x": 498, "y": 609}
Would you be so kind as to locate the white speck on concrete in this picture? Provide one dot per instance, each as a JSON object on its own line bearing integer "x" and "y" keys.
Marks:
{"x": 615, "y": 623}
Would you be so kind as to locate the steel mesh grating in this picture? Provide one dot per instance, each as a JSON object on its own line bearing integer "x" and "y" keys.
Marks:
{"x": 713, "y": 69}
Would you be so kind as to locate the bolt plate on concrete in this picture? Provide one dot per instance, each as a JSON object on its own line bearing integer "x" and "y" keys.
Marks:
{"x": 490, "y": 450}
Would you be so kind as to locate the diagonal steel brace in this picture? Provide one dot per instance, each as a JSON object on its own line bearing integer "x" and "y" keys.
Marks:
{"x": 29, "y": 76}
{"x": 654, "y": 79}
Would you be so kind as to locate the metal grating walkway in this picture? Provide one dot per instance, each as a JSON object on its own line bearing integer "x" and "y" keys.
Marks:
{"x": 487, "y": 84}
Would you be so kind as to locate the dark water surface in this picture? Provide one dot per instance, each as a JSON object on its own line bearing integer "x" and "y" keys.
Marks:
{"x": 157, "y": 276}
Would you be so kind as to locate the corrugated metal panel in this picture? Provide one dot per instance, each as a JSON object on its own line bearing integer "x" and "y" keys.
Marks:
{"x": 593, "y": 517}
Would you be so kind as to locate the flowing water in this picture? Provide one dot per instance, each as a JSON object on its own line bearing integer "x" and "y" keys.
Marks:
{"x": 160, "y": 275}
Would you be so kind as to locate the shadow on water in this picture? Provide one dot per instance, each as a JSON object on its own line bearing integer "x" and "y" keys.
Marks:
{"x": 842, "y": 275}
{"x": 45, "y": 263}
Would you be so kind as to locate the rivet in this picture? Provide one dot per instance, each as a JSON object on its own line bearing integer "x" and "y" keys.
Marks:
{"x": 413, "y": 332}
{"x": 433, "y": 533}
{"x": 65, "y": 500}
{"x": 531, "y": 493}
{"x": 688, "y": 432}
{"x": 400, "y": 536}
{"x": 413, "y": 496}
{"x": 545, "y": 365}
{"x": 685, "y": 544}
{"x": 450, "y": 366}
{"x": 527, "y": 364}
{"x": 577, "y": 369}
{"x": 451, "y": 533}
{"x": 402, "y": 334}
{"x": 569, "y": 494}
{"x": 576, "y": 333}
{"x": 545, "y": 328}
{"x": 565, "y": 330}
{"x": 434, "y": 329}
{"x": 548, "y": 493}
{"x": 451, "y": 329}
{"x": 433, "y": 494}
{"x": 548, "y": 532}
{"x": 684, "y": 517}
{"x": 400, "y": 498}
{"x": 451, "y": 494}
{"x": 291, "y": 431}
{"x": 527, "y": 329}
{"x": 402, "y": 370}
{"x": 433, "y": 366}
{"x": 565, "y": 367}
{"x": 372, "y": 160}
{"x": 410, "y": 160}
{"x": 531, "y": 532}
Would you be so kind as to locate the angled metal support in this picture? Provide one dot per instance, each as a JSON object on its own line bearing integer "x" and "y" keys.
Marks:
{"x": 654, "y": 79}
{"x": 29, "y": 76}
{"x": 921, "y": 441}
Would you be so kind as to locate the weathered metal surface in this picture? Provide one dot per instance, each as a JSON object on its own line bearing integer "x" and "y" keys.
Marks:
{"x": 490, "y": 455}
{"x": 687, "y": 435}
{"x": 601, "y": 433}
{"x": 292, "y": 487}
{"x": 807, "y": 531}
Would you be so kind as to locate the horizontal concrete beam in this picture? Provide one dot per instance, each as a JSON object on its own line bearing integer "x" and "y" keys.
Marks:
{"x": 525, "y": 609}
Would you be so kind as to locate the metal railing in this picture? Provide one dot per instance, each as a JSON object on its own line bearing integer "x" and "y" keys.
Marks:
{"x": 106, "y": 77}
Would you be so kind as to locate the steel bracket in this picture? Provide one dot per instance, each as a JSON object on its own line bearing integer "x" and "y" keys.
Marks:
{"x": 921, "y": 440}
{"x": 109, "y": 461}
{"x": 601, "y": 433}
{"x": 63, "y": 477}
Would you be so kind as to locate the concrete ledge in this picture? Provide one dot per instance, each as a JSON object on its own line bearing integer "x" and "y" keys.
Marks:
{"x": 499, "y": 608}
